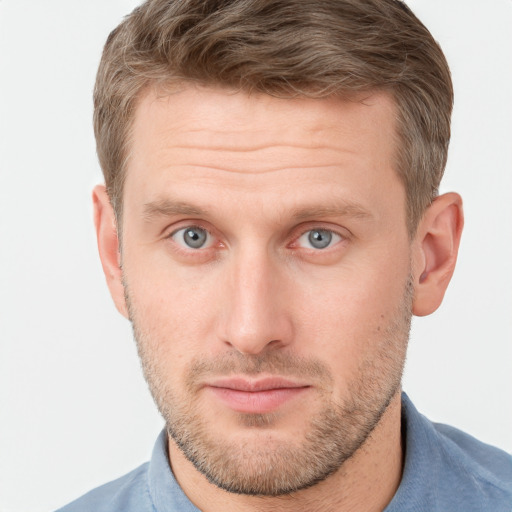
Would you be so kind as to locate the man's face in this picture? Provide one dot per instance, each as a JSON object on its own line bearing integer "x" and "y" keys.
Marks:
{"x": 266, "y": 265}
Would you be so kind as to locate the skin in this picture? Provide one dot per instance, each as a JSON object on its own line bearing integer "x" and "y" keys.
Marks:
{"x": 259, "y": 174}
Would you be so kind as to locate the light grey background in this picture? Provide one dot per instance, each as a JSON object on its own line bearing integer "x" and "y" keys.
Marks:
{"x": 74, "y": 410}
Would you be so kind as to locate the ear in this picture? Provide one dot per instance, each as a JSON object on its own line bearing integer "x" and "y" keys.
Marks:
{"x": 435, "y": 252}
{"x": 108, "y": 246}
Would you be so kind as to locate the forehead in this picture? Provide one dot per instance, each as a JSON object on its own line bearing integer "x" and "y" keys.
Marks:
{"x": 268, "y": 149}
{"x": 201, "y": 116}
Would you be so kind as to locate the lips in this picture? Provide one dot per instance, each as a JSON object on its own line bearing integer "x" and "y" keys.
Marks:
{"x": 255, "y": 396}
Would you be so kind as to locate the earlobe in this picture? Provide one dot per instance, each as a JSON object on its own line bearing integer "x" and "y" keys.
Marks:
{"x": 435, "y": 252}
{"x": 108, "y": 246}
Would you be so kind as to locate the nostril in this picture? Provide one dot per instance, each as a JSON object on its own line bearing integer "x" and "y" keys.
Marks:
{"x": 252, "y": 346}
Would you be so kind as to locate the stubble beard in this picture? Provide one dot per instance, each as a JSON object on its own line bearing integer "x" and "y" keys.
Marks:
{"x": 261, "y": 465}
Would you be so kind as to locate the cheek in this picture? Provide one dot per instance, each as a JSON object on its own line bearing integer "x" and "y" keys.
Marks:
{"x": 173, "y": 309}
{"x": 348, "y": 318}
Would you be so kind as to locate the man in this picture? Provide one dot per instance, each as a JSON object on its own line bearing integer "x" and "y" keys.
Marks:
{"x": 270, "y": 222}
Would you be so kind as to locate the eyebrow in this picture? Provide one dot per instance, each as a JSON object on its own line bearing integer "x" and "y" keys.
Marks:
{"x": 170, "y": 208}
{"x": 343, "y": 209}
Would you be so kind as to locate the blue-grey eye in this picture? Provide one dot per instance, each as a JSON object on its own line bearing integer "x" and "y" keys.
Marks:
{"x": 318, "y": 239}
{"x": 192, "y": 237}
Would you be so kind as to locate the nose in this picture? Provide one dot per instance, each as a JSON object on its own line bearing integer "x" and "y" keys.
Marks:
{"x": 256, "y": 317}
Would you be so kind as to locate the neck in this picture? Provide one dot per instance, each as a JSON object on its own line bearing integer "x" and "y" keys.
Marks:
{"x": 367, "y": 481}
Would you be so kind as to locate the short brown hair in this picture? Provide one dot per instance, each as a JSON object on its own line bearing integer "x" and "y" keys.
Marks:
{"x": 314, "y": 48}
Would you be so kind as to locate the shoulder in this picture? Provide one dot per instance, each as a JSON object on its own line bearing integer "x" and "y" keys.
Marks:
{"x": 125, "y": 494}
{"x": 446, "y": 469}
{"x": 488, "y": 466}
{"x": 148, "y": 488}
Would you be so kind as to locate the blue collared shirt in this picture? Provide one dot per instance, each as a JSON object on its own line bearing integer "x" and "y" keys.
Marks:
{"x": 445, "y": 470}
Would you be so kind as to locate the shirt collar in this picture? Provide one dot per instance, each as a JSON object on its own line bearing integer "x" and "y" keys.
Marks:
{"x": 166, "y": 494}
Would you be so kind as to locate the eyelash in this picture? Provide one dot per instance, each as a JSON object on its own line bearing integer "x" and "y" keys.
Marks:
{"x": 338, "y": 237}
{"x": 333, "y": 235}
{"x": 190, "y": 228}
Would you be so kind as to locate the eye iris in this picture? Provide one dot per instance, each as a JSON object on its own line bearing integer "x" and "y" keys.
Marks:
{"x": 320, "y": 238}
{"x": 194, "y": 237}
